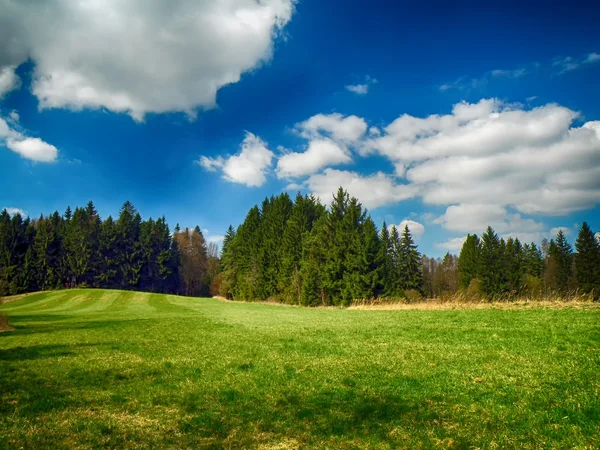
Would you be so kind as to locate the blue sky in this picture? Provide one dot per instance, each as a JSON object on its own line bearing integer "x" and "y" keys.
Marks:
{"x": 451, "y": 116}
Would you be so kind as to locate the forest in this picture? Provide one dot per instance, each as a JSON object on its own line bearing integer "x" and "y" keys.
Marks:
{"x": 291, "y": 251}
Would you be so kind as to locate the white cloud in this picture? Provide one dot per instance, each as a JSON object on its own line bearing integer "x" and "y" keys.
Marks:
{"x": 13, "y": 211}
{"x": 347, "y": 130}
{"x": 211, "y": 164}
{"x": 554, "y": 231}
{"x": 372, "y": 191}
{"x": 360, "y": 89}
{"x": 477, "y": 217}
{"x": 33, "y": 148}
{"x": 28, "y": 147}
{"x": 249, "y": 167}
{"x": 137, "y": 56}
{"x": 320, "y": 153}
{"x": 513, "y": 73}
{"x": 568, "y": 63}
{"x": 13, "y": 116}
{"x": 489, "y": 153}
{"x": 216, "y": 239}
{"x": 9, "y": 80}
{"x": 374, "y": 131}
{"x": 592, "y": 58}
{"x": 416, "y": 229}
{"x": 597, "y": 236}
{"x": 453, "y": 245}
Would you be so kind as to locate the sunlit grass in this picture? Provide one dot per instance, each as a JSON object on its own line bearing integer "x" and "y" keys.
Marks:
{"x": 87, "y": 368}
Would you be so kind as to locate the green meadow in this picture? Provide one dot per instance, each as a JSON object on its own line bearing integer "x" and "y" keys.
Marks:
{"x": 117, "y": 369}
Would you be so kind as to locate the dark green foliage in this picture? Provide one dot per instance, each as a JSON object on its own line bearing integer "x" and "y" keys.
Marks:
{"x": 410, "y": 263}
{"x": 301, "y": 253}
{"x": 79, "y": 249}
{"x": 562, "y": 253}
{"x": 468, "y": 261}
{"x": 492, "y": 270}
{"x": 587, "y": 261}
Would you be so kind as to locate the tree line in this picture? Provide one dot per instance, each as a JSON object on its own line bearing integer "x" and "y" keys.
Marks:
{"x": 299, "y": 252}
{"x": 292, "y": 251}
{"x": 78, "y": 248}
{"x": 494, "y": 267}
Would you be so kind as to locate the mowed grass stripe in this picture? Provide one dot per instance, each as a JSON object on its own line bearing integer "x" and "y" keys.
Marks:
{"x": 39, "y": 302}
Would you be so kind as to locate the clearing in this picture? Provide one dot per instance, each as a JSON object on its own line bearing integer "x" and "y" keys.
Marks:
{"x": 101, "y": 368}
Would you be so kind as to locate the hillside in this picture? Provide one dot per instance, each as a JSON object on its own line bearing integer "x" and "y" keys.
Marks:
{"x": 91, "y": 368}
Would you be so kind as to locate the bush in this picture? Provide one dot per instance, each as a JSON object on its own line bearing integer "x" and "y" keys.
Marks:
{"x": 532, "y": 286}
{"x": 474, "y": 291}
{"x": 413, "y": 296}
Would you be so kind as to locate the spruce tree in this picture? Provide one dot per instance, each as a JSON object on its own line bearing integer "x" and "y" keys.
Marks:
{"x": 412, "y": 276}
{"x": 587, "y": 261}
{"x": 468, "y": 261}
{"x": 563, "y": 254}
{"x": 491, "y": 264}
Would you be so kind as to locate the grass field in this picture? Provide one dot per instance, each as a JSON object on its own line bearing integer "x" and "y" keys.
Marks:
{"x": 86, "y": 368}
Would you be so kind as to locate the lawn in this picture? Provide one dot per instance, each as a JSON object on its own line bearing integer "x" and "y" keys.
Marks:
{"x": 95, "y": 368}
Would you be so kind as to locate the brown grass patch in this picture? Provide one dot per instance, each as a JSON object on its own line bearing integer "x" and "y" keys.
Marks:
{"x": 438, "y": 305}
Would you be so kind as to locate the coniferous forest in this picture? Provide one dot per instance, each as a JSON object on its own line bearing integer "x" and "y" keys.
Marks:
{"x": 292, "y": 251}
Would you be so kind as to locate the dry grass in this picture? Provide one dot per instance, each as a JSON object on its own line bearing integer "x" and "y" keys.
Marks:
{"x": 463, "y": 301}
{"x": 435, "y": 304}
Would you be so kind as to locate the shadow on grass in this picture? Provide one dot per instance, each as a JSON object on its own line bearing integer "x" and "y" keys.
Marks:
{"x": 53, "y": 323}
{"x": 40, "y": 351}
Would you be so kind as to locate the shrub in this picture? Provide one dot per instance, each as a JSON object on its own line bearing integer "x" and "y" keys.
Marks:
{"x": 413, "y": 296}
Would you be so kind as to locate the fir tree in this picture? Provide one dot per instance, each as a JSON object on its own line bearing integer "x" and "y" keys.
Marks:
{"x": 563, "y": 255}
{"x": 491, "y": 265}
{"x": 412, "y": 276}
{"x": 587, "y": 261}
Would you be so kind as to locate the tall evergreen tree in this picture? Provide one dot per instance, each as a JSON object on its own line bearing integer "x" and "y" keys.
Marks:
{"x": 412, "y": 276}
{"x": 491, "y": 268}
{"x": 587, "y": 261}
{"x": 468, "y": 261}
{"x": 563, "y": 255}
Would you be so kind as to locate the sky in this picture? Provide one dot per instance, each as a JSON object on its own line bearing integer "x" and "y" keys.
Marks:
{"x": 446, "y": 116}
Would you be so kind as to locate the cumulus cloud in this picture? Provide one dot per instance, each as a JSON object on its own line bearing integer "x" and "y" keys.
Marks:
{"x": 248, "y": 167}
{"x": 372, "y": 190}
{"x": 489, "y": 153}
{"x": 360, "y": 89}
{"x": 347, "y": 130}
{"x": 452, "y": 245}
{"x": 320, "y": 153}
{"x": 137, "y": 56}
{"x": 9, "y": 80}
{"x": 14, "y": 211}
{"x": 30, "y": 148}
{"x": 33, "y": 148}
{"x": 417, "y": 229}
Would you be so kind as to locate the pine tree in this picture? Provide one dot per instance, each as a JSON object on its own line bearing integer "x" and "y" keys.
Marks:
{"x": 384, "y": 264}
{"x": 587, "y": 261}
{"x": 468, "y": 261}
{"x": 396, "y": 274}
{"x": 491, "y": 268}
{"x": 128, "y": 253}
{"x": 563, "y": 255}
{"x": 412, "y": 276}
